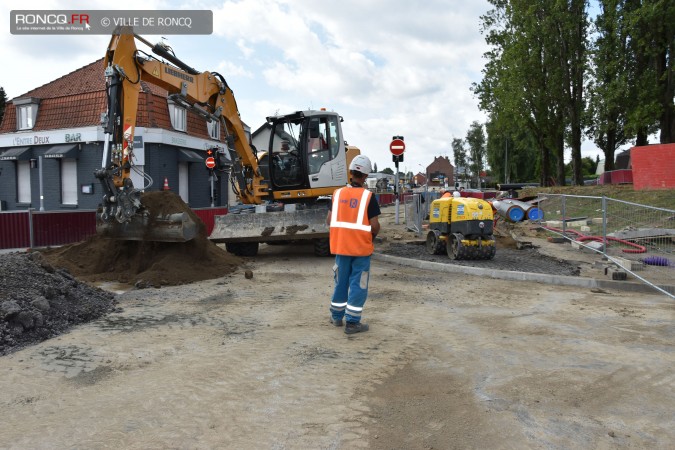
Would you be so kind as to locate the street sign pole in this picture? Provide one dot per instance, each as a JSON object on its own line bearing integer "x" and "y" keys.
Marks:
{"x": 396, "y": 193}
{"x": 212, "y": 196}
{"x": 210, "y": 163}
{"x": 397, "y": 147}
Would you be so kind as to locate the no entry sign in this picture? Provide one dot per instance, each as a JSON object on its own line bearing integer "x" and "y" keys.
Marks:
{"x": 397, "y": 147}
{"x": 210, "y": 162}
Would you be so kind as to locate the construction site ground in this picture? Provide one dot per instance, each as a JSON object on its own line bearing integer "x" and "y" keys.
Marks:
{"x": 454, "y": 359}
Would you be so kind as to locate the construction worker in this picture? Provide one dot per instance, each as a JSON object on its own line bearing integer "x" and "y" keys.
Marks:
{"x": 353, "y": 222}
{"x": 445, "y": 194}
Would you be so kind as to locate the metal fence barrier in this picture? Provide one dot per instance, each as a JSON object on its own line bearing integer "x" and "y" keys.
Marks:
{"x": 638, "y": 238}
{"x": 416, "y": 209}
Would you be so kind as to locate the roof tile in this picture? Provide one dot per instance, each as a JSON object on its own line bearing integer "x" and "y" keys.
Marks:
{"x": 78, "y": 99}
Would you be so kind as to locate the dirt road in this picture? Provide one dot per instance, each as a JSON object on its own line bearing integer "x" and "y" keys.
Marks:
{"x": 451, "y": 361}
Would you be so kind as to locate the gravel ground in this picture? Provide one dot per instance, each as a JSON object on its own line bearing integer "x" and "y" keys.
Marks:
{"x": 39, "y": 301}
{"x": 525, "y": 260}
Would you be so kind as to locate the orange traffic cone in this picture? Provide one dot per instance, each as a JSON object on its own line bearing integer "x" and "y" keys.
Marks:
{"x": 166, "y": 184}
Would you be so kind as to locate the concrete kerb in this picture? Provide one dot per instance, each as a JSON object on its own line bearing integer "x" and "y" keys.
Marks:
{"x": 562, "y": 280}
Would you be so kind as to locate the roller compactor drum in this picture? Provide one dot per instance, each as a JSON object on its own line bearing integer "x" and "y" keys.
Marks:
{"x": 462, "y": 227}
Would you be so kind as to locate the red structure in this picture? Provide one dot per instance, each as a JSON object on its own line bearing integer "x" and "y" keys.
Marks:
{"x": 653, "y": 166}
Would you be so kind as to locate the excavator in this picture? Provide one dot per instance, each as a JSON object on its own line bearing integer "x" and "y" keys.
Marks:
{"x": 306, "y": 159}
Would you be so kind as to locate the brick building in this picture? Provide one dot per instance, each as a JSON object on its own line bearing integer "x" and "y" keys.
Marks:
{"x": 420, "y": 179}
{"x": 440, "y": 173}
{"x": 51, "y": 142}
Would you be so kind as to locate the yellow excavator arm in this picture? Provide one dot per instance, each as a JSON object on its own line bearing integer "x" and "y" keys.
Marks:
{"x": 204, "y": 92}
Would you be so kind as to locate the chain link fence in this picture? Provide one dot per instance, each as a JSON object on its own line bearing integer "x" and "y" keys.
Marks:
{"x": 638, "y": 238}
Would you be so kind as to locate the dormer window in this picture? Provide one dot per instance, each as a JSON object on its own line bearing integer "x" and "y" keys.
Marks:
{"x": 26, "y": 112}
{"x": 214, "y": 129}
{"x": 178, "y": 117}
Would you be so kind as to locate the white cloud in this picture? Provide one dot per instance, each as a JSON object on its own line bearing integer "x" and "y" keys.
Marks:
{"x": 389, "y": 67}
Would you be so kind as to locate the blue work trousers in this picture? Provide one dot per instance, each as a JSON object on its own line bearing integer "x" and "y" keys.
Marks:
{"x": 351, "y": 287}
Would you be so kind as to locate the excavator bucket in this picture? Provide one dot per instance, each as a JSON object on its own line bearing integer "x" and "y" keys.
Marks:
{"x": 270, "y": 226}
{"x": 178, "y": 227}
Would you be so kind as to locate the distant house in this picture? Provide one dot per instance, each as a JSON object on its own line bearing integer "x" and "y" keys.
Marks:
{"x": 440, "y": 172}
{"x": 57, "y": 126}
{"x": 420, "y": 179}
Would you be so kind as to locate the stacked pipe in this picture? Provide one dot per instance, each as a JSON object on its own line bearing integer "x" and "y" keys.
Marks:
{"x": 509, "y": 210}
{"x": 531, "y": 211}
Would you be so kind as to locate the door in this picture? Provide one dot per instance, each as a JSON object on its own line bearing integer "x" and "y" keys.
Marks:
{"x": 23, "y": 182}
{"x": 326, "y": 160}
{"x": 69, "y": 182}
{"x": 184, "y": 181}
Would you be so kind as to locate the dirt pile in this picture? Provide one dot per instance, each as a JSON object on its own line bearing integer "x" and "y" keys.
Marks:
{"x": 38, "y": 301}
{"x": 147, "y": 264}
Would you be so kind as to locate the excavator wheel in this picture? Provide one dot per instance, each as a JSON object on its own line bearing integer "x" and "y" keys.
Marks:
{"x": 322, "y": 247}
{"x": 435, "y": 245}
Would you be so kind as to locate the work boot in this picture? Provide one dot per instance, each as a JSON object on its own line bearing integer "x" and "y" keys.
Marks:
{"x": 337, "y": 323}
{"x": 359, "y": 327}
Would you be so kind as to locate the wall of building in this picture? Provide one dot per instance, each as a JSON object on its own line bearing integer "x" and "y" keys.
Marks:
{"x": 653, "y": 166}
{"x": 441, "y": 165}
{"x": 88, "y": 159}
{"x": 161, "y": 161}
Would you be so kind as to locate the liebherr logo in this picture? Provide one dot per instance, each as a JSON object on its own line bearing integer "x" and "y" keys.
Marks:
{"x": 181, "y": 75}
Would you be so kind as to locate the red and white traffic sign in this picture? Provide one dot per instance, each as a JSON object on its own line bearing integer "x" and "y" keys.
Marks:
{"x": 210, "y": 162}
{"x": 397, "y": 147}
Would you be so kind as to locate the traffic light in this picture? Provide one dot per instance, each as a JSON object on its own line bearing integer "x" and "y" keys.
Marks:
{"x": 222, "y": 163}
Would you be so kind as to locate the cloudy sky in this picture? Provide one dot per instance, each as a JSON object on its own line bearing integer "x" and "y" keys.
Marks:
{"x": 389, "y": 67}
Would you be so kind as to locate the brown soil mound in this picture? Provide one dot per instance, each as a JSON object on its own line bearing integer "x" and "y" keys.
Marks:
{"x": 146, "y": 264}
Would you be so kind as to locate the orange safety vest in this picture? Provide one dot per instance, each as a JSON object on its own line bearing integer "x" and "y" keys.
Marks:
{"x": 349, "y": 224}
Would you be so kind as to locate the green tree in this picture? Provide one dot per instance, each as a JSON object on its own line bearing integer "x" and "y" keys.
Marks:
{"x": 521, "y": 85}
{"x": 475, "y": 140}
{"x": 609, "y": 92}
{"x": 652, "y": 49}
{"x": 459, "y": 157}
{"x": 588, "y": 167}
{"x": 570, "y": 20}
{"x": 374, "y": 168}
{"x": 388, "y": 171}
{"x": 510, "y": 156}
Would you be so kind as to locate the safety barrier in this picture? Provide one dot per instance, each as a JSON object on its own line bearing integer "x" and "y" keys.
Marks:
{"x": 620, "y": 176}
{"x": 32, "y": 229}
{"x": 638, "y": 238}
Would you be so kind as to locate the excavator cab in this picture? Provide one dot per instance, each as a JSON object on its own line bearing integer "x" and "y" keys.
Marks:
{"x": 306, "y": 151}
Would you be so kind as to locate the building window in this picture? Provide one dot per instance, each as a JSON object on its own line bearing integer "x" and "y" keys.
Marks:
{"x": 178, "y": 117}
{"x": 214, "y": 129}
{"x": 24, "y": 117}
{"x": 69, "y": 182}
{"x": 23, "y": 182}
{"x": 26, "y": 112}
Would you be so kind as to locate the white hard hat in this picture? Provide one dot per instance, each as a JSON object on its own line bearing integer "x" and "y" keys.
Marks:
{"x": 456, "y": 194}
{"x": 361, "y": 164}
